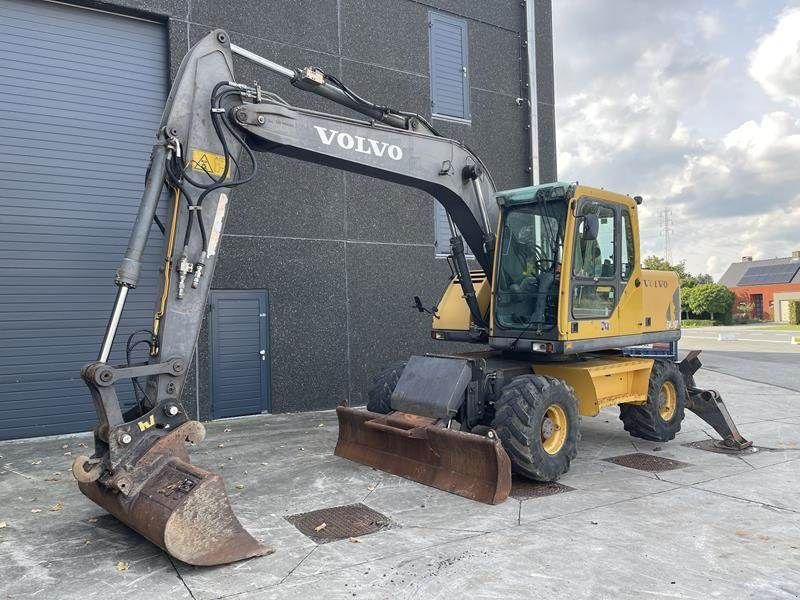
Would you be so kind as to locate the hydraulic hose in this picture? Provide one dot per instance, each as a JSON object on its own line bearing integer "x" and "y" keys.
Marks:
{"x": 173, "y": 224}
{"x": 465, "y": 279}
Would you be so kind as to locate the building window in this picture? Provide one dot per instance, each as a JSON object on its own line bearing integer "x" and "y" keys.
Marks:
{"x": 442, "y": 231}
{"x": 449, "y": 64}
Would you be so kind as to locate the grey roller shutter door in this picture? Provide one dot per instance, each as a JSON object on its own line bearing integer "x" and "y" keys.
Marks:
{"x": 449, "y": 66}
{"x": 81, "y": 97}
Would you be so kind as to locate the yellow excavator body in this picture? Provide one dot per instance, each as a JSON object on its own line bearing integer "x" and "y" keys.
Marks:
{"x": 574, "y": 325}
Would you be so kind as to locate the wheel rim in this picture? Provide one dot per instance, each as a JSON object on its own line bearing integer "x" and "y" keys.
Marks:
{"x": 554, "y": 429}
{"x": 668, "y": 401}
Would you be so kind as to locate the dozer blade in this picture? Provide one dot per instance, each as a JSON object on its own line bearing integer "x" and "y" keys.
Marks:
{"x": 179, "y": 507}
{"x": 414, "y": 447}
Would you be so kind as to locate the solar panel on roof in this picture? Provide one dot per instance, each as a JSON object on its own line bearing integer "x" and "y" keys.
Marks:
{"x": 769, "y": 274}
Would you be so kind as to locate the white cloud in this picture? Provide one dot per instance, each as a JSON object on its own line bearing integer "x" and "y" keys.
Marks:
{"x": 751, "y": 169}
{"x": 623, "y": 97}
{"x": 709, "y": 25}
{"x": 775, "y": 62}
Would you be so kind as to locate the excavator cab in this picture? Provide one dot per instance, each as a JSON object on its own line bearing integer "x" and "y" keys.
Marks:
{"x": 566, "y": 297}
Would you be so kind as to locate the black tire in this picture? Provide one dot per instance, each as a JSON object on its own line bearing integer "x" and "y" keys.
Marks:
{"x": 648, "y": 421}
{"x": 380, "y": 390}
{"x": 520, "y": 424}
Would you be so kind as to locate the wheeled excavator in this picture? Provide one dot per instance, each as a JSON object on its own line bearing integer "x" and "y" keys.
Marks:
{"x": 555, "y": 294}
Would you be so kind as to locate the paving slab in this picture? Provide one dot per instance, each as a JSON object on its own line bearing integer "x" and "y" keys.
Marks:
{"x": 774, "y": 485}
{"x": 722, "y": 527}
{"x": 63, "y": 555}
{"x": 662, "y": 545}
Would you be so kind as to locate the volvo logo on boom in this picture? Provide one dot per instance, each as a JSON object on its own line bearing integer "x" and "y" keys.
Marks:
{"x": 356, "y": 143}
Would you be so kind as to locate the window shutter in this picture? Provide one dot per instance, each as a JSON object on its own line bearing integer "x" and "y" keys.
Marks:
{"x": 449, "y": 66}
{"x": 442, "y": 228}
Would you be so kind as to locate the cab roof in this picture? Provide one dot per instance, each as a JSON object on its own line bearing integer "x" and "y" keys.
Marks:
{"x": 558, "y": 190}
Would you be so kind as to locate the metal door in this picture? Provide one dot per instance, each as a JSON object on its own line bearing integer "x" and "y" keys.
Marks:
{"x": 758, "y": 306}
{"x": 239, "y": 353}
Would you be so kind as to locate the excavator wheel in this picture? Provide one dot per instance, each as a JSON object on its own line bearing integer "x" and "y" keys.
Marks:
{"x": 538, "y": 422}
{"x": 659, "y": 419}
{"x": 380, "y": 390}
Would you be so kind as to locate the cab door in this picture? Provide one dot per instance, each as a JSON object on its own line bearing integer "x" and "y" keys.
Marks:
{"x": 596, "y": 266}
{"x": 630, "y": 307}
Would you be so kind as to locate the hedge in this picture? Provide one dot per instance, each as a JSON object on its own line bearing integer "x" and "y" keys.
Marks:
{"x": 794, "y": 312}
{"x": 696, "y": 323}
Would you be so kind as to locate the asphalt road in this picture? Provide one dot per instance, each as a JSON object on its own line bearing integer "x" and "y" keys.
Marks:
{"x": 756, "y": 354}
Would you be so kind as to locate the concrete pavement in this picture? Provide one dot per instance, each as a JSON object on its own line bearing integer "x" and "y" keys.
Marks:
{"x": 722, "y": 527}
{"x": 756, "y": 354}
{"x": 746, "y": 338}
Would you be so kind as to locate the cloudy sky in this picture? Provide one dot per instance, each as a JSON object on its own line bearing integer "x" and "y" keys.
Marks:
{"x": 694, "y": 105}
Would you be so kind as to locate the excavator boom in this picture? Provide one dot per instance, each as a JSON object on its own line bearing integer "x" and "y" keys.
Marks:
{"x": 140, "y": 471}
{"x": 211, "y": 127}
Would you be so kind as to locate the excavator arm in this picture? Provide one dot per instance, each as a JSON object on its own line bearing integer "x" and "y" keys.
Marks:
{"x": 211, "y": 127}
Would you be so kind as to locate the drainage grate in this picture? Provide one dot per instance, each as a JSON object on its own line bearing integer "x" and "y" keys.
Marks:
{"x": 646, "y": 462}
{"x": 522, "y": 488}
{"x": 340, "y": 522}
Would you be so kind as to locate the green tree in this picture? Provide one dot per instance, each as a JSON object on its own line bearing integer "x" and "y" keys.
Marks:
{"x": 686, "y": 299}
{"x": 659, "y": 264}
{"x": 746, "y": 308}
{"x": 711, "y": 298}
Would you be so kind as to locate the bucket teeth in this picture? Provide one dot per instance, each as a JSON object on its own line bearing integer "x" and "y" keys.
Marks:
{"x": 414, "y": 447}
{"x": 180, "y": 507}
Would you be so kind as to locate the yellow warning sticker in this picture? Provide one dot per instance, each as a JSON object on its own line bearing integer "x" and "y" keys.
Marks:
{"x": 208, "y": 162}
{"x": 145, "y": 425}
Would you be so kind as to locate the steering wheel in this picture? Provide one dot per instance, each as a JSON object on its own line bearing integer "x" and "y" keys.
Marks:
{"x": 543, "y": 264}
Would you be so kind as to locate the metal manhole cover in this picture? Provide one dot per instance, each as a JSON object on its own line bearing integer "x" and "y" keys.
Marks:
{"x": 339, "y": 522}
{"x": 646, "y": 462}
{"x": 522, "y": 488}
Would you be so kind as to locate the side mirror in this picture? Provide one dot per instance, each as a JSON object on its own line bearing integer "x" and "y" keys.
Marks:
{"x": 591, "y": 225}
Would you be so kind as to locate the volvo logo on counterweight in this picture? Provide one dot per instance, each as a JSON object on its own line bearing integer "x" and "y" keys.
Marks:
{"x": 356, "y": 143}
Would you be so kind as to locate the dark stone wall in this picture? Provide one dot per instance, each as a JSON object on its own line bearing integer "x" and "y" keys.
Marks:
{"x": 545, "y": 91}
{"x": 342, "y": 255}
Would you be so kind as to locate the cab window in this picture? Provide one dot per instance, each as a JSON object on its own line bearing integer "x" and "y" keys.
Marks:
{"x": 594, "y": 292}
{"x": 594, "y": 258}
{"x": 627, "y": 252}
{"x": 530, "y": 266}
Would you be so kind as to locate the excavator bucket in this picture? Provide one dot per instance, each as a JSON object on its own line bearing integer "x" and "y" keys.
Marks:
{"x": 179, "y": 507}
{"x": 417, "y": 448}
